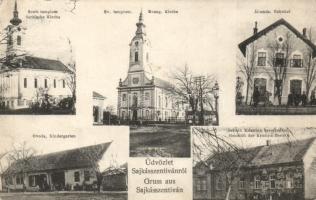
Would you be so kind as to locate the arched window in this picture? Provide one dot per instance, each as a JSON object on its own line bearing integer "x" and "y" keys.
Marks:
{"x": 10, "y": 40}
{"x": 136, "y": 56}
{"x": 18, "y": 39}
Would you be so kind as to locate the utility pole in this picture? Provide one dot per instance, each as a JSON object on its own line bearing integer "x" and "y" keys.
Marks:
{"x": 199, "y": 81}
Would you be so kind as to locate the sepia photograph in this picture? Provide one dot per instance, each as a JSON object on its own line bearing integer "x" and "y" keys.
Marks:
{"x": 33, "y": 78}
{"x": 254, "y": 163}
{"x": 152, "y": 82}
{"x": 58, "y": 166}
{"x": 276, "y": 66}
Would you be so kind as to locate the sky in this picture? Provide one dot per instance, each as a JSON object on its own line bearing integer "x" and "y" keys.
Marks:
{"x": 43, "y": 38}
{"x": 176, "y": 40}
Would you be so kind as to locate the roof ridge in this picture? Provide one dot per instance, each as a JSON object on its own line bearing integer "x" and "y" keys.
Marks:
{"x": 242, "y": 45}
{"x": 44, "y": 58}
{"x": 68, "y": 150}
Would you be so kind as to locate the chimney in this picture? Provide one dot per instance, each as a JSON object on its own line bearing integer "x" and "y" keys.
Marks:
{"x": 268, "y": 142}
{"x": 304, "y": 32}
{"x": 255, "y": 29}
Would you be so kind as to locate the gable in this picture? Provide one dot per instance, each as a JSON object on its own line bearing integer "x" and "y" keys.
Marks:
{"x": 270, "y": 29}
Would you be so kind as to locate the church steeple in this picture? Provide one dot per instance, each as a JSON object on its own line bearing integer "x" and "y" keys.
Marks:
{"x": 15, "y": 20}
{"x": 15, "y": 35}
{"x": 140, "y": 49}
{"x": 140, "y": 25}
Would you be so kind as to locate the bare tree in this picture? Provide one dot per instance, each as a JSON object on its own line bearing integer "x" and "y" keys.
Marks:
{"x": 310, "y": 68}
{"x": 279, "y": 59}
{"x": 19, "y": 158}
{"x": 71, "y": 80}
{"x": 230, "y": 157}
{"x": 194, "y": 90}
{"x": 247, "y": 66}
{"x": 93, "y": 155}
{"x": 228, "y": 160}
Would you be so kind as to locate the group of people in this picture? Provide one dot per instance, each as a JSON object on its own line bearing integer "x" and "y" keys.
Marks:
{"x": 294, "y": 99}
{"x": 257, "y": 97}
{"x": 297, "y": 99}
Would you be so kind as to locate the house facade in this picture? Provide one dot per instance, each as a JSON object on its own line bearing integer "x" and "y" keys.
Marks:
{"x": 24, "y": 79}
{"x": 278, "y": 60}
{"x": 142, "y": 96}
{"x": 271, "y": 172}
{"x": 68, "y": 170}
{"x": 98, "y": 108}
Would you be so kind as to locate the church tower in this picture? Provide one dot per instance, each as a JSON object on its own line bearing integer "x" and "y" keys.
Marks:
{"x": 139, "y": 60}
{"x": 15, "y": 36}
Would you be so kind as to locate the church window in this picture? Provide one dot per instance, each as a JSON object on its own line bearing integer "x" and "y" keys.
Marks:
{"x": 124, "y": 97}
{"x": 10, "y": 40}
{"x": 135, "y": 100}
{"x": 159, "y": 101}
{"x": 136, "y": 56}
{"x": 35, "y": 82}
{"x": 64, "y": 84}
{"x": 123, "y": 115}
{"x": 147, "y": 56}
{"x": 45, "y": 83}
{"x": 18, "y": 39}
{"x": 135, "y": 80}
{"x": 25, "y": 82}
{"x": 136, "y": 43}
{"x": 54, "y": 83}
{"x": 147, "y": 114}
{"x": 166, "y": 100}
{"x": 77, "y": 176}
{"x": 146, "y": 96}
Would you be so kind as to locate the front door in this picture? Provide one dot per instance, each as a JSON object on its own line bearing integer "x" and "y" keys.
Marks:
{"x": 58, "y": 180}
{"x": 261, "y": 84}
{"x": 96, "y": 113}
{"x": 296, "y": 87}
{"x": 134, "y": 115}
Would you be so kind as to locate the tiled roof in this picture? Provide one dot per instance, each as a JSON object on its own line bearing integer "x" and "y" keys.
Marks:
{"x": 288, "y": 152}
{"x": 243, "y": 45}
{"x": 97, "y": 95}
{"x": 68, "y": 159}
{"x": 162, "y": 83}
{"x": 43, "y": 63}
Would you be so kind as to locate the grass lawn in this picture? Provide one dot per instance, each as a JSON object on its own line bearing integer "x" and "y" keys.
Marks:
{"x": 160, "y": 141}
{"x": 63, "y": 196}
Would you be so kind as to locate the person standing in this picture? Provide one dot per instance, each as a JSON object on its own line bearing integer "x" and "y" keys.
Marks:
{"x": 256, "y": 96}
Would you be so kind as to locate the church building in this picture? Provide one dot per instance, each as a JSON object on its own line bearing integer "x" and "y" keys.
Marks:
{"x": 25, "y": 79}
{"x": 141, "y": 95}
